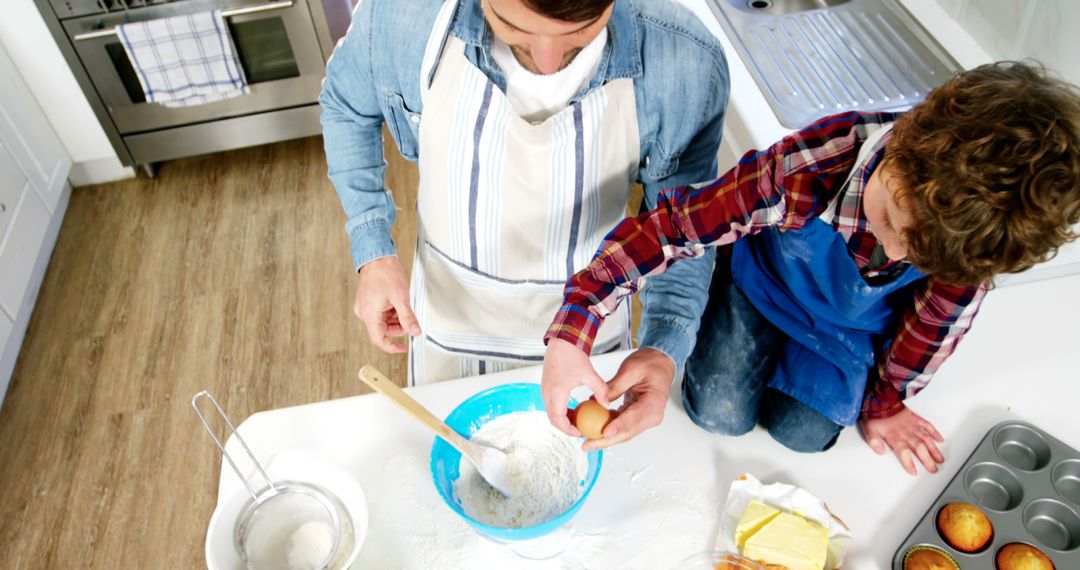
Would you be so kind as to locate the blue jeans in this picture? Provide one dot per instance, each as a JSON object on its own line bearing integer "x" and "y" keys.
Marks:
{"x": 725, "y": 387}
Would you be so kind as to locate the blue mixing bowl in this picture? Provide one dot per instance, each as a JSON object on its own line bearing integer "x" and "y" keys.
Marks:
{"x": 466, "y": 419}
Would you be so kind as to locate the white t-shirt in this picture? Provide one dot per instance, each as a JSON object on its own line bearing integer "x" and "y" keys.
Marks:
{"x": 537, "y": 97}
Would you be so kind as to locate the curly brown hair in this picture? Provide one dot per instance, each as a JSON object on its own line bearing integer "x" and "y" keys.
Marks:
{"x": 991, "y": 169}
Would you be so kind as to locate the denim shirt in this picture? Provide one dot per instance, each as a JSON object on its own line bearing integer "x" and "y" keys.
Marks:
{"x": 681, "y": 87}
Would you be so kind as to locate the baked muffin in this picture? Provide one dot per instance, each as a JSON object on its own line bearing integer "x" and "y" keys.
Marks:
{"x": 1020, "y": 556}
{"x": 964, "y": 527}
{"x": 928, "y": 558}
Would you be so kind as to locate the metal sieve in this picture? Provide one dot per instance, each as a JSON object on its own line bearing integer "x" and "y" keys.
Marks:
{"x": 286, "y": 525}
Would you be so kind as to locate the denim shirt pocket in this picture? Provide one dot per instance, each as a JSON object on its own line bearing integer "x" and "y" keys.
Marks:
{"x": 404, "y": 126}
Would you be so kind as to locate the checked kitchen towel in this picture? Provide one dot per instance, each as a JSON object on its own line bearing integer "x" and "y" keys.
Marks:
{"x": 184, "y": 60}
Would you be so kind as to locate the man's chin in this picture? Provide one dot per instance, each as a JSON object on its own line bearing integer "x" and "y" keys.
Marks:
{"x": 527, "y": 62}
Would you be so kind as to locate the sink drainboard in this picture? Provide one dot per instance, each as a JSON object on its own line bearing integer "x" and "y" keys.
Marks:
{"x": 868, "y": 56}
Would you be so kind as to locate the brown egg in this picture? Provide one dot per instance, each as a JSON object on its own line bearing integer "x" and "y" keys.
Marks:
{"x": 591, "y": 418}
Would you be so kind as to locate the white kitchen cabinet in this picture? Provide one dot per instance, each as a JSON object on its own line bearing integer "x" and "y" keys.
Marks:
{"x": 12, "y": 188}
{"x": 41, "y": 159}
{"x": 34, "y": 191}
{"x": 727, "y": 156}
{"x": 19, "y": 251}
{"x": 5, "y": 328}
{"x": 736, "y": 140}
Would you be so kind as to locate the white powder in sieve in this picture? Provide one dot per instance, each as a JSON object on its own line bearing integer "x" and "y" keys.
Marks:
{"x": 309, "y": 545}
{"x": 545, "y": 466}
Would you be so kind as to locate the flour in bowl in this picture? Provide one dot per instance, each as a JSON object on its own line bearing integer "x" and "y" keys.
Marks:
{"x": 546, "y": 468}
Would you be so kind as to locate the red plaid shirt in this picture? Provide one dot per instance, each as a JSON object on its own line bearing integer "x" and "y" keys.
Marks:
{"x": 793, "y": 181}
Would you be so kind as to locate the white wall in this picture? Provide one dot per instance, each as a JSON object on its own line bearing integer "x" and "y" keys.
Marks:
{"x": 1015, "y": 29}
{"x": 41, "y": 65}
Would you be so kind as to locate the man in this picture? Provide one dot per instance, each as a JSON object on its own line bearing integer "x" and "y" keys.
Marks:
{"x": 529, "y": 120}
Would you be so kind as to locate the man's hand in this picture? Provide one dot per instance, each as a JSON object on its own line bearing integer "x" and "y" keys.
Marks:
{"x": 908, "y": 435}
{"x": 644, "y": 379}
{"x": 382, "y": 302}
{"x": 565, "y": 368}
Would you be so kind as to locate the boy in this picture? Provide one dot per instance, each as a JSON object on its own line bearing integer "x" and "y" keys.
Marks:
{"x": 857, "y": 252}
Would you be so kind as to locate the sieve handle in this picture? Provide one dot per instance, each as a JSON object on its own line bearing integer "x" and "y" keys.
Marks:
{"x": 387, "y": 388}
{"x": 225, "y": 454}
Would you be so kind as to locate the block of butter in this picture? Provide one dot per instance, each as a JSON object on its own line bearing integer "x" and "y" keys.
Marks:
{"x": 755, "y": 517}
{"x": 776, "y": 537}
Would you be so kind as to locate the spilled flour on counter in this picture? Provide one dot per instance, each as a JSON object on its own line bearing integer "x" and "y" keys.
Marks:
{"x": 545, "y": 466}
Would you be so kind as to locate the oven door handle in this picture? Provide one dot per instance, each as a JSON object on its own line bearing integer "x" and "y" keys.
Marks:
{"x": 225, "y": 13}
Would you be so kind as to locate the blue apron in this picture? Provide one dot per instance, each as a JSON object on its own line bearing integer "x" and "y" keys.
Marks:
{"x": 807, "y": 285}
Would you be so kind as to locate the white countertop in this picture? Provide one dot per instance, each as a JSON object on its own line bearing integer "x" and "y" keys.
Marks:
{"x": 658, "y": 497}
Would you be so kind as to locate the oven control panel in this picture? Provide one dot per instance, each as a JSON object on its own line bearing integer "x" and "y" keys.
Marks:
{"x": 73, "y": 8}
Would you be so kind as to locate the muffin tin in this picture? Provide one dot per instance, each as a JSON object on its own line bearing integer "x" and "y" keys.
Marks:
{"x": 1027, "y": 483}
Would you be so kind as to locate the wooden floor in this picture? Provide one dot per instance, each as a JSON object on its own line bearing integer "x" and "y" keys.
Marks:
{"x": 229, "y": 272}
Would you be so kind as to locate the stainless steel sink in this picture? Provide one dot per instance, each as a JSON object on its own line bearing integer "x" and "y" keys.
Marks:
{"x": 783, "y": 6}
{"x": 813, "y": 58}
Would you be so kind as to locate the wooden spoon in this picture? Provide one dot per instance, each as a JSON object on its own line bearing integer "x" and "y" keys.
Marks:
{"x": 489, "y": 461}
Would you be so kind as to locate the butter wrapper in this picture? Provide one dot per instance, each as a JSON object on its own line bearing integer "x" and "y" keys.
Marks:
{"x": 786, "y": 497}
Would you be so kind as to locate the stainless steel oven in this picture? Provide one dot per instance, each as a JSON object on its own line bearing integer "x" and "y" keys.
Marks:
{"x": 282, "y": 46}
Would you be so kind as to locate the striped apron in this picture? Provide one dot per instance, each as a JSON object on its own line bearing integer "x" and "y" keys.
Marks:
{"x": 509, "y": 210}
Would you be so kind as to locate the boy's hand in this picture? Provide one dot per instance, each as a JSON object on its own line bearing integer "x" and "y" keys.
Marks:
{"x": 644, "y": 378}
{"x": 908, "y": 435}
{"x": 565, "y": 368}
